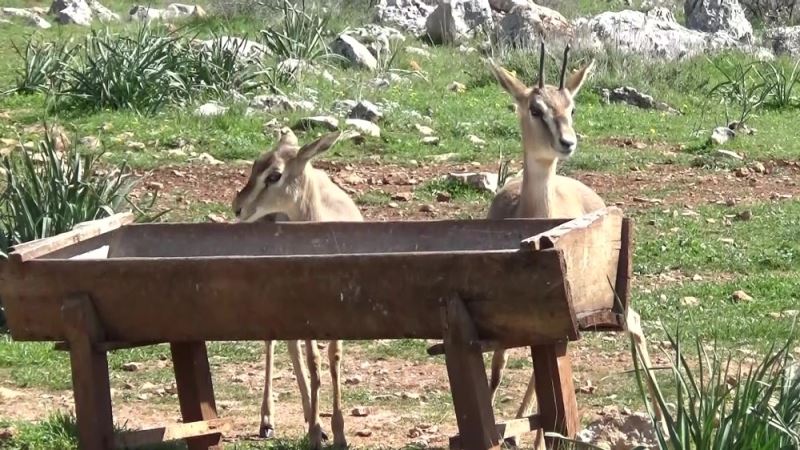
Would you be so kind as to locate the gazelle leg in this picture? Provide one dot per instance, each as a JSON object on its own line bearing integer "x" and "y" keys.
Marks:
{"x": 267, "y": 428}
{"x": 301, "y": 374}
{"x": 337, "y": 419}
{"x": 314, "y": 428}
{"x": 525, "y": 408}
{"x": 499, "y": 360}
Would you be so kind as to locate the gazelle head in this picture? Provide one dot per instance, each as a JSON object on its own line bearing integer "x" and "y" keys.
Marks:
{"x": 277, "y": 179}
{"x": 546, "y": 111}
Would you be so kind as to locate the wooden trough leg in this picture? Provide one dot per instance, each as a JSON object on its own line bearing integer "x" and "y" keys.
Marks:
{"x": 468, "y": 383}
{"x": 555, "y": 392}
{"x": 90, "y": 382}
{"x": 195, "y": 390}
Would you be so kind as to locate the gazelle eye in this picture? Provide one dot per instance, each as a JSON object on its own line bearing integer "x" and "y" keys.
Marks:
{"x": 272, "y": 178}
{"x": 535, "y": 112}
{"x": 573, "y": 111}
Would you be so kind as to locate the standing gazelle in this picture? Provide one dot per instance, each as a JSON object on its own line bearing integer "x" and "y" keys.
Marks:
{"x": 545, "y": 115}
{"x": 283, "y": 181}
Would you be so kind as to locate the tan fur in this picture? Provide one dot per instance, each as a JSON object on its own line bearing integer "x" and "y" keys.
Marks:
{"x": 539, "y": 192}
{"x": 302, "y": 193}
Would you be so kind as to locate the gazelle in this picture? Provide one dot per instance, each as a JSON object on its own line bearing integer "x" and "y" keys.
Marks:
{"x": 545, "y": 115}
{"x": 283, "y": 181}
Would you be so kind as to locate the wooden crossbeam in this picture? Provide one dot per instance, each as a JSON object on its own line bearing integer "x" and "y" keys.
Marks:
{"x": 130, "y": 439}
{"x": 107, "y": 346}
{"x": 507, "y": 429}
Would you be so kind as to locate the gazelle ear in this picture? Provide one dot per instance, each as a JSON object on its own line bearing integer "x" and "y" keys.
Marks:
{"x": 509, "y": 82}
{"x": 322, "y": 144}
{"x": 575, "y": 80}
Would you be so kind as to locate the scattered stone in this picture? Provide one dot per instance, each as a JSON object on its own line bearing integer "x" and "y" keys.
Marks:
{"x": 364, "y": 127}
{"x": 758, "y": 167}
{"x": 136, "y": 146}
{"x": 455, "y": 86}
{"x": 210, "y": 109}
{"x": 403, "y": 196}
{"x": 393, "y": 205}
{"x": 147, "y": 387}
{"x": 631, "y": 96}
{"x": 7, "y": 433}
{"x": 353, "y": 380}
{"x": 418, "y": 52}
{"x": 427, "y": 208}
{"x": 729, "y": 154}
{"x": 424, "y": 130}
{"x": 443, "y": 197}
{"x": 742, "y": 172}
{"x": 132, "y": 367}
{"x": 475, "y": 140}
{"x": 364, "y": 433}
{"x": 366, "y": 110}
{"x": 103, "y": 14}
{"x": 407, "y": 15}
{"x": 27, "y": 15}
{"x": 444, "y": 157}
{"x": 690, "y": 301}
{"x": 72, "y": 12}
{"x": 721, "y": 135}
{"x": 174, "y": 11}
{"x": 360, "y": 411}
{"x": 410, "y": 396}
{"x": 216, "y": 218}
{"x": 655, "y": 201}
{"x": 714, "y": 16}
{"x": 455, "y": 20}
{"x": 480, "y": 180}
{"x": 697, "y": 277}
{"x": 741, "y": 296}
{"x": 728, "y": 241}
{"x": 784, "y": 40}
{"x": 279, "y": 103}
{"x": 526, "y": 23}
{"x": 354, "y": 51}
{"x": 430, "y": 140}
{"x": 745, "y": 215}
{"x": 620, "y": 429}
{"x": 154, "y": 186}
{"x": 9, "y": 394}
{"x": 308, "y": 123}
{"x": 205, "y": 158}
{"x": 245, "y": 48}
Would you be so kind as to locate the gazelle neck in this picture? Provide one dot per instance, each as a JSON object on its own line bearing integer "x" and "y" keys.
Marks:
{"x": 537, "y": 180}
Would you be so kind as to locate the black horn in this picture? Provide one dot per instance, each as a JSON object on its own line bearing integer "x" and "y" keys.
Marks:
{"x": 564, "y": 67}
{"x": 541, "y": 65}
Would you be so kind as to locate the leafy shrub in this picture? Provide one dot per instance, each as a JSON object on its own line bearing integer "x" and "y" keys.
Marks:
{"x": 44, "y": 65}
{"x": 220, "y": 68}
{"x": 782, "y": 81}
{"x": 720, "y": 403}
{"x": 299, "y": 35}
{"x": 742, "y": 88}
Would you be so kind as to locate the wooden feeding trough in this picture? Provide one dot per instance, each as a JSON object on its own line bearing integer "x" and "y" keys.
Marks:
{"x": 478, "y": 285}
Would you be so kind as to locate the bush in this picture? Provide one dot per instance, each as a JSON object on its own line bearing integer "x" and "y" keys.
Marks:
{"x": 44, "y": 65}
{"x": 719, "y": 403}
{"x": 299, "y": 35}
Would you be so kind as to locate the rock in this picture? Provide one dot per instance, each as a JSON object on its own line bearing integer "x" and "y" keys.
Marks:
{"x": 136, "y": 145}
{"x": 526, "y": 23}
{"x": 721, "y": 135}
{"x": 377, "y": 38}
{"x": 308, "y": 123}
{"x": 714, "y": 16}
{"x": 174, "y": 11}
{"x": 364, "y": 127}
{"x": 455, "y": 20}
{"x": 407, "y": 15}
{"x": 154, "y": 186}
{"x": 443, "y": 197}
{"x": 132, "y": 367}
{"x": 279, "y": 103}
{"x": 444, "y": 157}
{"x": 505, "y": 6}
{"x": 27, "y": 15}
{"x": 427, "y": 208}
{"x": 729, "y": 154}
{"x": 180, "y": 10}
{"x": 216, "y": 218}
{"x": 353, "y": 380}
{"x": 360, "y": 412}
{"x": 741, "y": 296}
{"x": 742, "y": 172}
{"x": 480, "y": 180}
{"x": 205, "y": 158}
{"x": 455, "y": 86}
{"x": 403, "y": 196}
{"x": 103, "y": 14}
{"x": 475, "y": 140}
{"x": 90, "y": 142}
{"x": 653, "y": 35}
{"x": 245, "y": 48}
{"x": 418, "y": 52}
{"x": 410, "y": 396}
{"x": 9, "y": 394}
{"x": 366, "y": 110}
{"x": 783, "y": 40}
{"x": 758, "y": 167}
{"x": 354, "y": 51}
{"x": 631, "y": 96}
{"x": 7, "y": 433}
{"x": 430, "y": 140}
{"x": 364, "y": 433}
{"x": 210, "y": 109}
{"x": 690, "y": 301}
{"x": 139, "y": 13}
{"x": 72, "y": 12}
{"x": 745, "y": 215}
{"x": 424, "y": 130}
{"x": 620, "y": 430}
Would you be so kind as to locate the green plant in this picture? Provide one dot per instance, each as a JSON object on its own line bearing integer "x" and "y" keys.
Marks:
{"x": 782, "y": 81}
{"x": 742, "y": 87}
{"x": 299, "y": 35}
{"x": 48, "y": 192}
{"x": 44, "y": 65}
{"x": 221, "y": 67}
{"x": 721, "y": 403}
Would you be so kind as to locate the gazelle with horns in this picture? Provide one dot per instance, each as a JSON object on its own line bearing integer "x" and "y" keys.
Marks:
{"x": 283, "y": 181}
{"x": 546, "y": 119}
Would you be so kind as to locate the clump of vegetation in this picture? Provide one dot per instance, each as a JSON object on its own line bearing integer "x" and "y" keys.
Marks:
{"x": 299, "y": 35}
{"x": 720, "y": 403}
{"x": 44, "y": 66}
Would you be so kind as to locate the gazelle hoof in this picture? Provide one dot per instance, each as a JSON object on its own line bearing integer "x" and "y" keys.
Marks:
{"x": 266, "y": 432}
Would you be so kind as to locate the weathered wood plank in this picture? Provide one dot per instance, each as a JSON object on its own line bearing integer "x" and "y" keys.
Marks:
{"x": 319, "y": 238}
{"x": 81, "y": 232}
{"x": 517, "y": 297}
{"x": 468, "y": 383}
{"x": 508, "y": 429}
{"x": 195, "y": 391}
{"x": 138, "y": 438}
{"x": 90, "y": 382}
{"x": 555, "y": 391}
{"x": 591, "y": 246}
{"x": 107, "y": 346}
